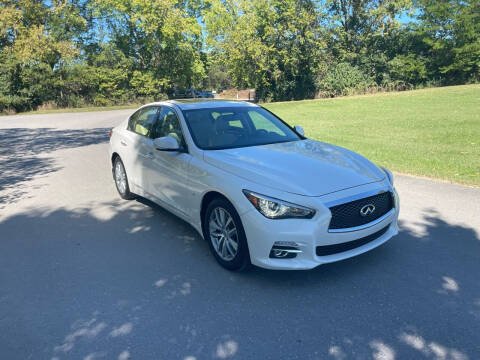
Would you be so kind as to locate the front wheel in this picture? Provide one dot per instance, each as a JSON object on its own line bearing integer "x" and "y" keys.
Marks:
{"x": 121, "y": 181}
{"x": 225, "y": 235}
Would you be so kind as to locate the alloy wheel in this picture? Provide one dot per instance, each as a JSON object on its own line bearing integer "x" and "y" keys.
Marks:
{"x": 120, "y": 177}
{"x": 223, "y": 233}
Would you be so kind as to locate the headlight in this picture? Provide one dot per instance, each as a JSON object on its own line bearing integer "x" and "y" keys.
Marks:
{"x": 389, "y": 175}
{"x": 277, "y": 209}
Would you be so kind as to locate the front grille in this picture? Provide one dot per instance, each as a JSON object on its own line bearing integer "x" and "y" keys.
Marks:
{"x": 348, "y": 215}
{"x": 350, "y": 245}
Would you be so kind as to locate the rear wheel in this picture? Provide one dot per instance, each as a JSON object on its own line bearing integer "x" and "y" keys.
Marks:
{"x": 121, "y": 181}
{"x": 224, "y": 232}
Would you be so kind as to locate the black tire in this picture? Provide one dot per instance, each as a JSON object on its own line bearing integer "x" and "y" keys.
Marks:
{"x": 241, "y": 261}
{"x": 123, "y": 192}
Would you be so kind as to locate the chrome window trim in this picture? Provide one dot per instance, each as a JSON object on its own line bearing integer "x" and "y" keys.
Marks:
{"x": 365, "y": 226}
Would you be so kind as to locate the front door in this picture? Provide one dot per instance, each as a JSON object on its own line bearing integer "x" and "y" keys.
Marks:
{"x": 167, "y": 176}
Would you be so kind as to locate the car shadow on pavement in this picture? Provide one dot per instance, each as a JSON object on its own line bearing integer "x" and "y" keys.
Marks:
{"x": 139, "y": 282}
{"x": 24, "y": 154}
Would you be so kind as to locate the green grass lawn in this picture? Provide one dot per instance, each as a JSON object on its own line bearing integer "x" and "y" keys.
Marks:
{"x": 432, "y": 132}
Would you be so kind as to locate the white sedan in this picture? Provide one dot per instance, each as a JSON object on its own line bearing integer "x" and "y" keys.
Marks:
{"x": 257, "y": 190}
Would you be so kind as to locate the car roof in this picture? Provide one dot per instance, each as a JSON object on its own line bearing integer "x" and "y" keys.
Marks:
{"x": 191, "y": 104}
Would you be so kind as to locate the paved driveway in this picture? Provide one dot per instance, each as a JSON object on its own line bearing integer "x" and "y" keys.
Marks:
{"x": 85, "y": 275}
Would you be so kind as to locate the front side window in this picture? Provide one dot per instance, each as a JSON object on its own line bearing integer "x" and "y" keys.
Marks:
{"x": 142, "y": 121}
{"x": 223, "y": 128}
{"x": 168, "y": 125}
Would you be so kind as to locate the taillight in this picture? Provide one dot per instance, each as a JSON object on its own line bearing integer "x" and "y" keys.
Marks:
{"x": 110, "y": 133}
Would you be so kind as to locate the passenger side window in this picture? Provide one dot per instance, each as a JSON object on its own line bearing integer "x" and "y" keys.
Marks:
{"x": 168, "y": 124}
{"x": 262, "y": 123}
{"x": 143, "y": 120}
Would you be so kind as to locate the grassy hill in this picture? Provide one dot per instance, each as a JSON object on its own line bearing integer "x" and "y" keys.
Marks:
{"x": 431, "y": 132}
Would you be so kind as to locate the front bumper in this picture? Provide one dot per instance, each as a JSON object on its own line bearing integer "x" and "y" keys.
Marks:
{"x": 262, "y": 233}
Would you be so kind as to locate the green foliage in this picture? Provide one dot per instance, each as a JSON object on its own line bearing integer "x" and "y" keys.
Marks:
{"x": 273, "y": 46}
{"x": 450, "y": 30}
{"x": 408, "y": 68}
{"x": 344, "y": 79}
{"x": 217, "y": 77}
{"x": 162, "y": 37}
{"x": 103, "y": 52}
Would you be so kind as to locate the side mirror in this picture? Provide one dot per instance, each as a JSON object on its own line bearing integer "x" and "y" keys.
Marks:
{"x": 299, "y": 130}
{"x": 166, "y": 143}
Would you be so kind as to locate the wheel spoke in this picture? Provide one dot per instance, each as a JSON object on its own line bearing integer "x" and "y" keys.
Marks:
{"x": 216, "y": 242}
{"x": 232, "y": 246}
{"x": 214, "y": 225}
{"x": 217, "y": 217}
{"x": 232, "y": 231}
{"x": 219, "y": 245}
{"x": 228, "y": 222}
{"x": 221, "y": 214}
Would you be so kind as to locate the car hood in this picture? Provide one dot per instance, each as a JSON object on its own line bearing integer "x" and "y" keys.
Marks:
{"x": 304, "y": 167}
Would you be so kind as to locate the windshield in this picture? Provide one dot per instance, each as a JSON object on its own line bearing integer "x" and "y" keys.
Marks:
{"x": 231, "y": 127}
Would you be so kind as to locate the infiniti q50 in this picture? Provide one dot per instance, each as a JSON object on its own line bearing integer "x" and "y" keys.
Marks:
{"x": 257, "y": 190}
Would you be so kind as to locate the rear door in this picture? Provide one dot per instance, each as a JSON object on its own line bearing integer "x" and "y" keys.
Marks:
{"x": 137, "y": 144}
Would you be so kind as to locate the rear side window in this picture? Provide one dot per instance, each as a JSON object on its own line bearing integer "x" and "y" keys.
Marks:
{"x": 142, "y": 121}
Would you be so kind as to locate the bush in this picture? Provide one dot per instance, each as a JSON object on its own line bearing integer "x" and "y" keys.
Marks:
{"x": 13, "y": 103}
{"x": 407, "y": 68}
{"x": 344, "y": 79}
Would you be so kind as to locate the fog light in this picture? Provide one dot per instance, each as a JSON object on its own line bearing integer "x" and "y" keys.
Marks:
{"x": 284, "y": 250}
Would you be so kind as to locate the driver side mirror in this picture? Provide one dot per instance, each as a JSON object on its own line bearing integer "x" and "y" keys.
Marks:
{"x": 299, "y": 130}
{"x": 167, "y": 143}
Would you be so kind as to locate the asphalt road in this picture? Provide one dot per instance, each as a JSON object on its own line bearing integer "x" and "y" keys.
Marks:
{"x": 86, "y": 275}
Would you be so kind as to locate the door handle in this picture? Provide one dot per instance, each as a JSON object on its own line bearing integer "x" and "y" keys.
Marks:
{"x": 147, "y": 155}
{"x": 123, "y": 142}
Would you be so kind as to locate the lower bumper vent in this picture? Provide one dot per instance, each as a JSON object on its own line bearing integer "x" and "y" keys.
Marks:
{"x": 350, "y": 245}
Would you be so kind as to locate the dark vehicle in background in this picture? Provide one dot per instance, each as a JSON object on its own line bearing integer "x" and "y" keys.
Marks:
{"x": 183, "y": 94}
{"x": 206, "y": 95}
{"x": 191, "y": 93}
{"x": 176, "y": 94}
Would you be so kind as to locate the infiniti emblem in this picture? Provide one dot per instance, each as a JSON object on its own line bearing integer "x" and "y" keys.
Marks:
{"x": 367, "y": 210}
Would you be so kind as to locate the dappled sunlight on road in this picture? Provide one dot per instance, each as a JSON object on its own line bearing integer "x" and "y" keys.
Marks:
{"x": 81, "y": 329}
{"x": 336, "y": 352}
{"x": 160, "y": 282}
{"x": 127, "y": 278}
{"x": 449, "y": 285}
{"x": 122, "y": 330}
{"x": 227, "y": 349}
{"x": 431, "y": 349}
{"x": 124, "y": 355}
{"x": 382, "y": 351}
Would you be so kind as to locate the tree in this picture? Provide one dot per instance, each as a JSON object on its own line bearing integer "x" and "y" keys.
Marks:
{"x": 32, "y": 49}
{"x": 450, "y": 29}
{"x": 162, "y": 37}
{"x": 274, "y": 46}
